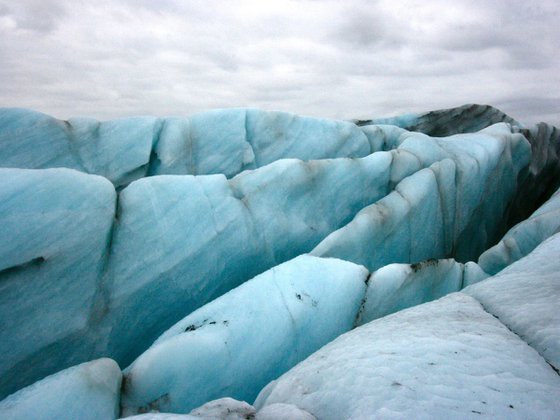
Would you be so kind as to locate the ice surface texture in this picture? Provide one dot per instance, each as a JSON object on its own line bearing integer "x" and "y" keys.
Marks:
{"x": 87, "y": 391}
{"x": 444, "y": 359}
{"x": 239, "y": 342}
{"x": 446, "y": 122}
{"x": 400, "y": 286}
{"x": 524, "y": 237}
{"x": 525, "y": 296}
{"x": 230, "y": 409}
{"x": 221, "y": 141}
{"x": 110, "y": 272}
{"x": 453, "y": 207}
{"x": 181, "y": 240}
{"x": 55, "y": 229}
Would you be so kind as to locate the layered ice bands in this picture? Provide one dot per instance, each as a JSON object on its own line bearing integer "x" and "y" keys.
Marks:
{"x": 455, "y": 207}
{"x": 181, "y": 241}
{"x": 55, "y": 235}
{"x": 523, "y": 237}
{"x": 239, "y": 342}
{"x": 221, "y": 141}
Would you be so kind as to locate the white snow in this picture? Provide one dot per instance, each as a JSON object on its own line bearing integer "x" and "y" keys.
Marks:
{"x": 444, "y": 359}
{"x": 525, "y": 296}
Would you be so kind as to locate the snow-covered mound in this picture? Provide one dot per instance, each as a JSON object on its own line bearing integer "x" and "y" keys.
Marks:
{"x": 247, "y": 240}
{"x": 456, "y": 357}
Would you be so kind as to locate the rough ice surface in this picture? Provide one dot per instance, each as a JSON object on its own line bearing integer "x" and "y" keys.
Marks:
{"x": 446, "y": 122}
{"x": 399, "y": 286}
{"x": 87, "y": 391}
{"x": 282, "y": 411}
{"x": 524, "y": 237}
{"x": 209, "y": 201}
{"x": 384, "y": 137}
{"x": 222, "y": 141}
{"x": 230, "y": 409}
{"x": 181, "y": 241}
{"x": 451, "y": 208}
{"x": 542, "y": 177}
{"x": 55, "y": 226}
{"x": 225, "y": 408}
{"x": 444, "y": 359}
{"x": 165, "y": 416}
{"x": 525, "y": 296}
{"x": 385, "y": 227}
{"x": 239, "y": 342}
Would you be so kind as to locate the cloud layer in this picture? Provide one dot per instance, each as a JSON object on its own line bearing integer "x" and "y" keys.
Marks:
{"x": 335, "y": 59}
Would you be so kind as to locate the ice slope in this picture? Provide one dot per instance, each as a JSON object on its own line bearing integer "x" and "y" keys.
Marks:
{"x": 219, "y": 141}
{"x": 430, "y": 214}
{"x": 384, "y": 137}
{"x": 239, "y": 342}
{"x": 181, "y": 241}
{"x": 525, "y": 296}
{"x": 523, "y": 237}
{"x": 55, "y": 227}
{"x": 542, "y": 177}
{"x": 87, "y": 391}
{"x": 454, "y": 207}
{"x": 444, "y": 359}
{"x": 399, "y": 286}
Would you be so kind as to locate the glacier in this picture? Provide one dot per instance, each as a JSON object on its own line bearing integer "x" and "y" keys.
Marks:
{"x": 454, "y": 357}
{"x": 208, "y": 256}
{"x": 219, "y": 141}
{"x": 86, "y": 391}
{"x": 297, "y": 307}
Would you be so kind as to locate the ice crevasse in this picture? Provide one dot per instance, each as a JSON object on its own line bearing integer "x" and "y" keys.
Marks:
{"x": 210, "y": 255}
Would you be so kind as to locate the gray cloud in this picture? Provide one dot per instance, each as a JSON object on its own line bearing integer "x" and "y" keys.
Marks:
{"x": 33, "y": 15}
{"x": 334, "y": 59}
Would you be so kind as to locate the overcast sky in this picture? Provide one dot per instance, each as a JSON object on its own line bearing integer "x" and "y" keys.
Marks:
{"x": 333, "y": 59}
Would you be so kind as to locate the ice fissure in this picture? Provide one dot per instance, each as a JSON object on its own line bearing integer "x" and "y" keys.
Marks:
{"x": 302, "y": 229}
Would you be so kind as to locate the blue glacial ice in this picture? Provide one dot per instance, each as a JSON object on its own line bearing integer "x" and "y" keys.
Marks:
{"x": 399, "y": 286}
{"x": 220, "y": 141}
{"x": 208, "y": 234}
{"x": 457, "y": 204}
{"x": 55, "y": 228}
{"x": 87, "y": 391}
{"x": 239, "y": 342}
{"x": 188, "y": 208}
{"x": 523, "y": 237}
